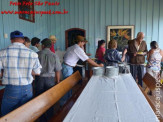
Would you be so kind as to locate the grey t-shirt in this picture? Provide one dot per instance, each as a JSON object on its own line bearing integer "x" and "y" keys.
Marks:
{"x": 50, "y": 63}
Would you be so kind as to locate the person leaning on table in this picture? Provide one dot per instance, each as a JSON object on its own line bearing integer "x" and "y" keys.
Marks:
{"x": 71, "y": 57}
{"x": 18, "y": 63}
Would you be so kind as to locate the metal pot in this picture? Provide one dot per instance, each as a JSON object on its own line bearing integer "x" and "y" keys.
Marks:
{"x": 112, "y": 71}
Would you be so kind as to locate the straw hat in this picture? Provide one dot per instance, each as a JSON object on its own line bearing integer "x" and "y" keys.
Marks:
{"x": 53, "y": 38}
{"x": 80, "y": 39}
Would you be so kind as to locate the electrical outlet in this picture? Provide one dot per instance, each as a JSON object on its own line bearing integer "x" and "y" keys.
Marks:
{"x": 5, "y": 35}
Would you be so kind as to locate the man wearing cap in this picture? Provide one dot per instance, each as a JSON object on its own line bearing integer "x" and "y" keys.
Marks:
{"x": 50, "y": 73}
{"x": 88, "y": 54}
{"x": 51, "y": 68}
{"x": 71, "y": 57}
{"x": 53, "y": 40}
{"x": 18, "y": 63}
{"x": 35, "y": 43}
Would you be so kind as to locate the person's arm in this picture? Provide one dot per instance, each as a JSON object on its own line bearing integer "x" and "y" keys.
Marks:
{"x": 36, "y": 67}
{"x": 33, "y": 73}
{"x": 57, "y": 76}
{"x": 124, "y": 55}
{"x": 57, "y": 69}
{"x": 149, "y": 54}
{"x": 90, "y": 61}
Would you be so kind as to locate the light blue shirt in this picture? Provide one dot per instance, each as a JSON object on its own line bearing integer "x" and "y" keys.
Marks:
{"x": 34, "y": 48}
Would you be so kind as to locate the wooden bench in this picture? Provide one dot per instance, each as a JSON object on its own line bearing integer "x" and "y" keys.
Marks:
{"x": 150, "y": 82}
{"x": 32, "y": 110}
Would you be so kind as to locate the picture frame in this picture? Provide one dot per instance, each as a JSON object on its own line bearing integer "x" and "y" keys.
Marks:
{"x": 24, "y": 16}
{"x": 122, "y": 34}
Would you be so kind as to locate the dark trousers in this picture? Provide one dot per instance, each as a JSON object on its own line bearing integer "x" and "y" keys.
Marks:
{"x": 15, "y": 96}
{"x": 42, "y": 84}
{"x": 137, "y": 71}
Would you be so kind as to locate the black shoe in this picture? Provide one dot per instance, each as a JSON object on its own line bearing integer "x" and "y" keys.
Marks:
{"x": 150, "y": 93}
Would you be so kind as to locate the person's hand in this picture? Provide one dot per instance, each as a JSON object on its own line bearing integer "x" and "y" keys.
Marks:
{"x": 135, "y": 54}
{"x": 58, "y": 82}
{"x": 144, "y": 53}
{"x": 101, "y": 65}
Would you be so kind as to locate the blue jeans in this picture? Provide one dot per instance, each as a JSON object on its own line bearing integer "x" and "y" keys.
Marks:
{"x": 66, "y": 72}
{"x": 14, "y": 97}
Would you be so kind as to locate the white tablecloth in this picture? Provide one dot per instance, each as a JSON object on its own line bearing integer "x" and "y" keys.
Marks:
{"x": 111, "y": 100}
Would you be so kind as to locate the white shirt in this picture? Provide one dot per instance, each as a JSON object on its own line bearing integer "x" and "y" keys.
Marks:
{"x": 18, "y": 62}
{"x": 73, "y": 54}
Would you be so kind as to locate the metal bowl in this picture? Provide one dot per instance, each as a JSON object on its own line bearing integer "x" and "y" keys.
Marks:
{"x": 98, "y": 71}
{"x": 112, "y": 71}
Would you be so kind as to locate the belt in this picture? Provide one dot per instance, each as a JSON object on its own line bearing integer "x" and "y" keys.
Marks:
{"x": 67, "y": 64}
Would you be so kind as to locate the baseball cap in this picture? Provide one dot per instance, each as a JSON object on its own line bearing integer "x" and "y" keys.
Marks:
{"x": 16, "y": 34}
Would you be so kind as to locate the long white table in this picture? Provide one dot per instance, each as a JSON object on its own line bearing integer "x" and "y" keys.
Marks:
{"x": 117, "y": 99}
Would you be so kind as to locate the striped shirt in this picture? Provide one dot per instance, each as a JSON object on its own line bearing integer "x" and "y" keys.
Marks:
{"x": 18, "y": 62}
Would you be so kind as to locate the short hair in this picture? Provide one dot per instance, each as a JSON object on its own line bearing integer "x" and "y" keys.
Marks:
{"x": 112, "y": 44}
{"x": 100, "y": 42}
{"x": 154, "y": 45}
{"x": 46, "y": 42}
{"x": 14, "y": 39}
{"x": 35, "y": 41}
{"x": 27, "y": 39}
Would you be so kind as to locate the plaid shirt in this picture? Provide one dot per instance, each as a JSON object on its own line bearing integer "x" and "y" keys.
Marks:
{"x": 18, "y": 63}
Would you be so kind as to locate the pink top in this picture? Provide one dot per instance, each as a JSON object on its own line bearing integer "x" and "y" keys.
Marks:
{"x": 100, "y": 54}
{"x": 52, "y": 48}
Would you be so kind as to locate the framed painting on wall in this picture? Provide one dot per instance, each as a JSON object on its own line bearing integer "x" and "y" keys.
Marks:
{"x": 26, "y": 9}
{"x": 122, "y": 34}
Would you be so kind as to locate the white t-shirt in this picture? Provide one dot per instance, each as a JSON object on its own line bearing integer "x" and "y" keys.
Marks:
{"x": 73, "y": 54}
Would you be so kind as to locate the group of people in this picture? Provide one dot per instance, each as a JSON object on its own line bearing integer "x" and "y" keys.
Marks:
{"x": 135, "y": 54}
{"x": 21, "y": 63}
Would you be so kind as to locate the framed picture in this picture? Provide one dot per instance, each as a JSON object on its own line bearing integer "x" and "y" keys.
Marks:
{"x": 122, "y": 34}
{"x": 26, "y": 8}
